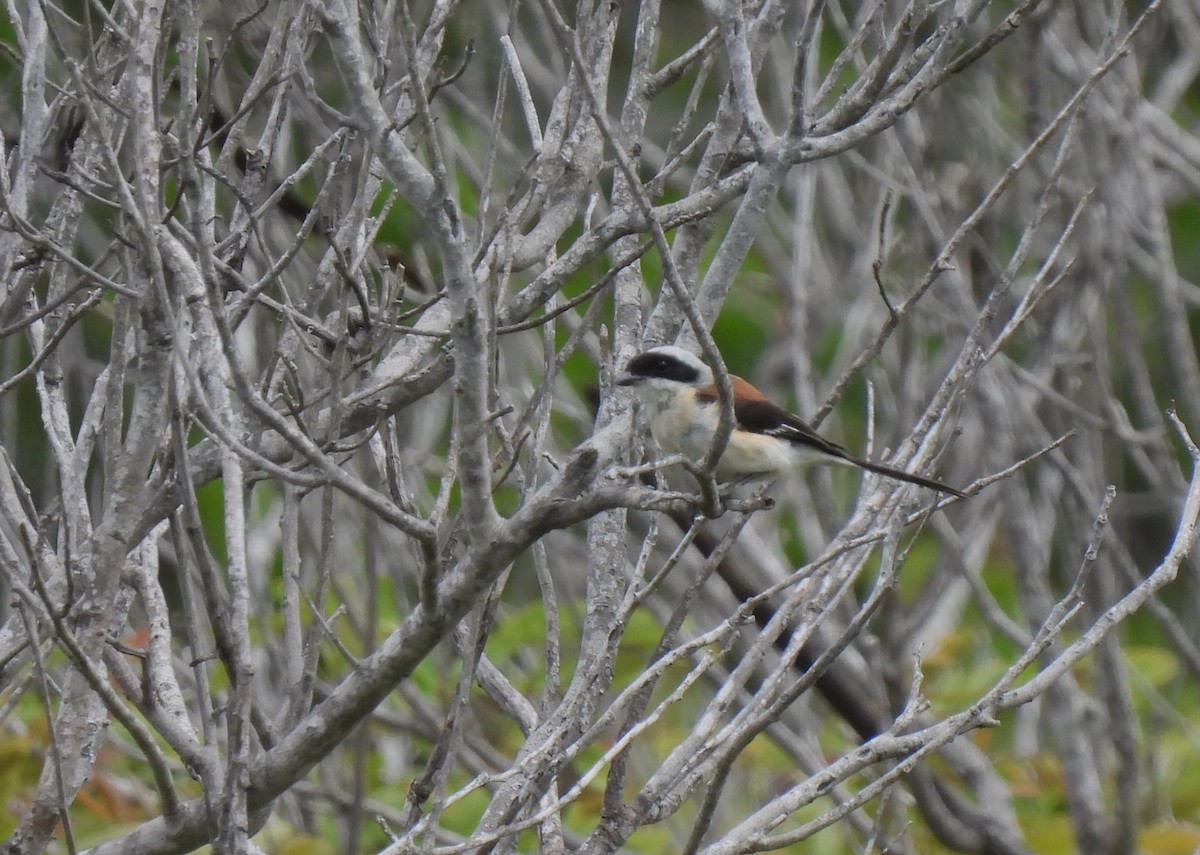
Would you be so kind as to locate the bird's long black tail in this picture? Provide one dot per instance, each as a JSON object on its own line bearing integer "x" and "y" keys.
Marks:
{"x": 901, "y": 475}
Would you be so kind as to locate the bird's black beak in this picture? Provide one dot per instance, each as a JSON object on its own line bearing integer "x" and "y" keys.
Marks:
{"x": 627, "y": 379}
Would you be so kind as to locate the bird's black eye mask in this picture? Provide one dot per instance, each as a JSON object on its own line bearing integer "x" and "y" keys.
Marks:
{"x": 652, "y": 365}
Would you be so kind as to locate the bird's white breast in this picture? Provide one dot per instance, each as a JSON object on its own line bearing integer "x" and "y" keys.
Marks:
{"x": 683, "y": 427}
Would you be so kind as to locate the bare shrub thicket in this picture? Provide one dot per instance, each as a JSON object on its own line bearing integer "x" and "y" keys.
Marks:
{"x": 320, "y": 514}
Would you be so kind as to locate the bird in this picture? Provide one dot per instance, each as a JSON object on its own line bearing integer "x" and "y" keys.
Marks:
{"x": 679, "y": 391}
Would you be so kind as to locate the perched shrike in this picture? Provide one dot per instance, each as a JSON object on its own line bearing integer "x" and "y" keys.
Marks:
{"x": 680, "y": 394}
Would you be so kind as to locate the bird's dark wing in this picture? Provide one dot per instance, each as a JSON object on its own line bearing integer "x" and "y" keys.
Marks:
{"x": 754, "y": 413}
